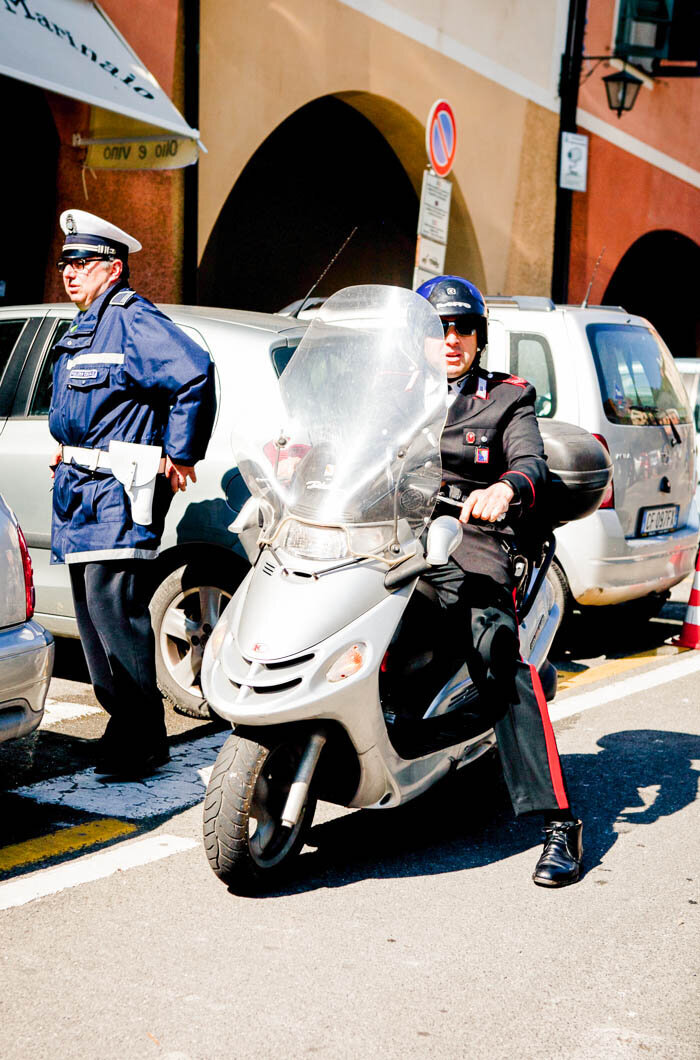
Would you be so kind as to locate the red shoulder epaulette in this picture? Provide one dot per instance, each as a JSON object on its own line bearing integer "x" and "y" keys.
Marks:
{"x": 516, "y": 380}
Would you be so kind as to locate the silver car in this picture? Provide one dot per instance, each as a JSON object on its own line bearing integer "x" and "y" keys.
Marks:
{"x": 609, "y": 372}
{"x": 26, "y": 650}
{"x": 201, "y": 563}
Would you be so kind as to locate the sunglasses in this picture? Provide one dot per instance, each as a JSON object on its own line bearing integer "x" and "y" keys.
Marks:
{"x": 78, "y": 264}
{"x": 463, "y": 325}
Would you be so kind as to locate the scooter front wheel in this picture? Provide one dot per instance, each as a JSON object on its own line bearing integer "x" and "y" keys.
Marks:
{"x": 245, "y": 840}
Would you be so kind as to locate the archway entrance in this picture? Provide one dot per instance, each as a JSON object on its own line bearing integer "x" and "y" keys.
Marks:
{"x": 28, "y": 191}
{"x": 657, "y": 278}
{"x": 321, "y": 172}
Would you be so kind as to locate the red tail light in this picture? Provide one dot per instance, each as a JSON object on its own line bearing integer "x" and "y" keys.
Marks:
{"x": 608, "y": 500}
{"x": 28, "y": 575}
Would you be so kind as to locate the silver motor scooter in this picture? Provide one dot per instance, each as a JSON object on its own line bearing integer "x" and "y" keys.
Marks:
{"x": 327, "y": 661}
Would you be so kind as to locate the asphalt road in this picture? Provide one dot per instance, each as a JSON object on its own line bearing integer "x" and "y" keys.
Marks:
{"x": 408, "y": 933}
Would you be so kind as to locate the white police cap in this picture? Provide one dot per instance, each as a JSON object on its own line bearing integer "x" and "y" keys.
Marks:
{"x": 88, "y": 234}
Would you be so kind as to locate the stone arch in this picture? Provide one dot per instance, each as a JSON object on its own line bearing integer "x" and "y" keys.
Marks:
{"x": 657, "y": 278}
{"x": 28, "y": 191}
{"x": 339, "y": 161}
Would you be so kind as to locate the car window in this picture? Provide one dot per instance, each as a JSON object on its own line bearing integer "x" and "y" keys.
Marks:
{"x": 531, "y": 358}
{"x": 639, "y": 383}
{"x": 41, "y": 398}
{"x": 10, "y": 331}
{"x": 281, "y": 356}
{"x": 691, "y": 379}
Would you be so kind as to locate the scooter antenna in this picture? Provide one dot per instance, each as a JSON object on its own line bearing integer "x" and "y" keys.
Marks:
{"x": 584, "y": 303}
{"x": 337, "y": 254}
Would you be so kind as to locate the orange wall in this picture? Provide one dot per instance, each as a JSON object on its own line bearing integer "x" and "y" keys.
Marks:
{"x": 149, "y": 205}
{"x": 666, "y": 117}
{"x": 626, "y": 197}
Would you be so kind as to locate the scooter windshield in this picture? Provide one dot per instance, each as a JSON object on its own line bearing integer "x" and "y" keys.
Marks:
{"x": 363, "y": 407}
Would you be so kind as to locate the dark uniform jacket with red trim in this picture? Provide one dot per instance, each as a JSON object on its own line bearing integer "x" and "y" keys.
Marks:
{"x": 491, "y": 433}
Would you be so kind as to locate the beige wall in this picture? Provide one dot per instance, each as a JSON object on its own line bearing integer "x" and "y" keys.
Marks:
{"x": 261, "y": 61}
{"x": 520, "y": 35}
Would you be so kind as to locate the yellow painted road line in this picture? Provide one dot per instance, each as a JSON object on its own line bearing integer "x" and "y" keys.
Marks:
{"x": 65, "y": 841}
{"x": 611, "y": 669}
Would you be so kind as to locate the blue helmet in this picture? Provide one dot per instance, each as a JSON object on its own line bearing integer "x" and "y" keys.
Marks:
{"x": 461, "y": 301}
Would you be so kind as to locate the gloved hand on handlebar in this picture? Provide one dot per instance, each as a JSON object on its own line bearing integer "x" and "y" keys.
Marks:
{"x": 490, "y": 505}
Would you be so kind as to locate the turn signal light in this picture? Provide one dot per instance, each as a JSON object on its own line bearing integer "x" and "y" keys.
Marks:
{"x": 608, "y": 500}
{"x": 347, "y": 665}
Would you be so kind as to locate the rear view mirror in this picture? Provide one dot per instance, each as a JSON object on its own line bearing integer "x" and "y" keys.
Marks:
{"x": 247, "y": 517}
{"x": 444, "y": 537}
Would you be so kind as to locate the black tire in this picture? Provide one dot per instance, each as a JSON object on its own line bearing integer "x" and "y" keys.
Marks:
{"x": 244, "y": 839}
{"x": 184, "y": 609}
{"x": 562, "y": 593}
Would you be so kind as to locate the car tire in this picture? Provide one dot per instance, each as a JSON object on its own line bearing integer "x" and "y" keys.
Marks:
{"x": 184, "y": 610}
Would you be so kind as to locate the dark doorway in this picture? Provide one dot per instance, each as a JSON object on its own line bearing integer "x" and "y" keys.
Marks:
{"x": 658, "y": 279}
{"x": 28, "y": 188}
{"x": 321, "y": 172}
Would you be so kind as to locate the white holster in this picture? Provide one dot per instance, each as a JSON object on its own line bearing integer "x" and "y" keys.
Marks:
{"x": 136, "y": 467}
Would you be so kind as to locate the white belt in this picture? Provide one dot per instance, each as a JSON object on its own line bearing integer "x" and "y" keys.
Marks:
{"x": 93, "y": 459}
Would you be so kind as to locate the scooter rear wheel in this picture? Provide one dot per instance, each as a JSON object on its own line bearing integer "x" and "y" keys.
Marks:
{"x": 244, "y": 838}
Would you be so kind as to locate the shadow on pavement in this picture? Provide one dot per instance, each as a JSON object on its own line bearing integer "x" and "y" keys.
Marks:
{"x": 615, "y": 632}
{"x": 466, "y": 822}
{"x": 69, "y": 661}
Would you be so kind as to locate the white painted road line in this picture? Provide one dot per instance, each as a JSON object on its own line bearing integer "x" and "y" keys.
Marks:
{"x": 91, "y": 867}
{"x": 55, "y": 712}
{"x": 639, "y": 685}
{"x": 175, "y": 786}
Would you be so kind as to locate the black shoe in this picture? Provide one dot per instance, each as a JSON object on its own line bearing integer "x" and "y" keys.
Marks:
{"x": 560, "y": 860}
{"x": 132, "y": 767}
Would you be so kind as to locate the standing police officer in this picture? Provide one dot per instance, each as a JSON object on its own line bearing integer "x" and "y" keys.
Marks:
{"x": 493, "y": 460}
{"x": 133, "y": 408}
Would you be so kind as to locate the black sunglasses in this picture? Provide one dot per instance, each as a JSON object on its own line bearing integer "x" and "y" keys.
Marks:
{"x": 77, "y": 263}
{"x": 464, "y": 325}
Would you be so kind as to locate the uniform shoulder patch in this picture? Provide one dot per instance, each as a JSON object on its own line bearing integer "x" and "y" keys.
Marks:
{"x": 123, "y": 297}
{"x": 516, "y": 380}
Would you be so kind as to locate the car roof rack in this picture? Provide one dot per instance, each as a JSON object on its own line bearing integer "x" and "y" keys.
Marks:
{"x": 520, "y": 301}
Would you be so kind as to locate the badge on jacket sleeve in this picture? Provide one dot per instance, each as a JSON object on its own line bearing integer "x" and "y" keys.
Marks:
{"x": 481, "y": 391}
{"x": 482, "y": 454}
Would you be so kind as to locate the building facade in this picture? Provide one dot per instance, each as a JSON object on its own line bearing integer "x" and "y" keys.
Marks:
{"x": 48, "y": 171}
{"x": 313, "y": 115}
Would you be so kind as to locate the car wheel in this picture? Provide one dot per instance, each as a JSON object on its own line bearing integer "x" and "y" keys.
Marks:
{"x": 184, "y": 610}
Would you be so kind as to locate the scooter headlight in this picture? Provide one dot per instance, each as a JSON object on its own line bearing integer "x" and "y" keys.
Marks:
{"x": 315, "y": 542}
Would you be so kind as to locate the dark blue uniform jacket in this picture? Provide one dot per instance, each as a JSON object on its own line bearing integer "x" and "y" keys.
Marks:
{"x": 491, "y": 433}
{"x": 125, "y": 372}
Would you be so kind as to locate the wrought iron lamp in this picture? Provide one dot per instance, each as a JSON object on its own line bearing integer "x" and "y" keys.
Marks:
{"x": 622, "y": 89}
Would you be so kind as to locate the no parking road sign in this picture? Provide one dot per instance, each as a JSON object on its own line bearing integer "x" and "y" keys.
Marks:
{"x": 441, "y": 137}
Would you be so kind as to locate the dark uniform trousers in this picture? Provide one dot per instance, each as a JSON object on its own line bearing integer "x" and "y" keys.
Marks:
{"x": 111, "y": 608}
{"x": 486, "y": 636}
{"x": 491, "y": 434}
{"x": 125, "y": 373}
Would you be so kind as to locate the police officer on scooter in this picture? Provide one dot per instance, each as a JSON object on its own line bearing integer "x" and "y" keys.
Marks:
{"x": 493, "y": 463}
{"x": 133, "y": 408}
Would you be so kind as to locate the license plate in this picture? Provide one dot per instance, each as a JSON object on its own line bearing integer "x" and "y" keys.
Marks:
{"x": 659, "y": 520}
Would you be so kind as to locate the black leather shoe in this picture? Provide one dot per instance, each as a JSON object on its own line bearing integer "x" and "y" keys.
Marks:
{"x": 560, "y": 860}
{"x": 132, "y": 767}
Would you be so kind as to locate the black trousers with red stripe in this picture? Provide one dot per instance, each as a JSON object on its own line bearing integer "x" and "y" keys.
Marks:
{"x": 485, "y": 630}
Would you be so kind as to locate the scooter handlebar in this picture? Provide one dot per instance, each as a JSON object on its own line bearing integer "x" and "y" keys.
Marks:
{"x": 406, "y": 572}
